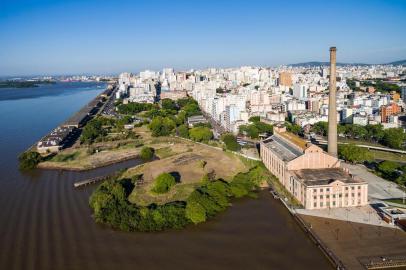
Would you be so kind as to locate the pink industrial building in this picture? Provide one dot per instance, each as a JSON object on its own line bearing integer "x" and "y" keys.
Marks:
{"x": 313, "y": 176}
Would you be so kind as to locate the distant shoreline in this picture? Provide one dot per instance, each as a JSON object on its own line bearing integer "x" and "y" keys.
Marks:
{"x": 24, "y": 84}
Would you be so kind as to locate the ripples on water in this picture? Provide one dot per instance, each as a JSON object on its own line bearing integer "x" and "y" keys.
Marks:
{"x": 46, "y": 224}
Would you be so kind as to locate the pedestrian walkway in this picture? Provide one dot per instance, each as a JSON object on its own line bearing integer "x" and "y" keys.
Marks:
{"x": 362, "y": 214}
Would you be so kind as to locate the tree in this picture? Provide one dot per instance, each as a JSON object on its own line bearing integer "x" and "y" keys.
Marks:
{"x": 147, "y": 153}
{"x": 161, "y": 126}
{"x": 249, "y": 130}
{"x": 320, "y": 128}
{"x": 163, "y": 183}
{"x": 134, "y": 107}
{"x": 183, "y": 131}
{"x": 200, "y": 134}
{"x": 295, "y": 129}
{"x": 388, "y": 169}
{"x": 394, "y": 138}
{"x": 169, "y": 104}
{"x": 195, "y": 212}
{"x": 354, "y": 154}
{"x": 254, "y": 119}
{"x": 181, "y": 118}
{"x": 29, "y": 160}
{"x": 375, "y": 132}
{"x": 231, "y": 142}
{"x": 92, "y": 130}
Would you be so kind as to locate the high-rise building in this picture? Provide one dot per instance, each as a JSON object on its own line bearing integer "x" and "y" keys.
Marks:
{"x": 389, "y": 110}
{"x": 285, "y": 78}
{"x": 300, "y": 91}
{"x": 403, "y": 93}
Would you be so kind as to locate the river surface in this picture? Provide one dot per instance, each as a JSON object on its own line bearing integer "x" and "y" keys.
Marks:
{"x": 46, "y": 224}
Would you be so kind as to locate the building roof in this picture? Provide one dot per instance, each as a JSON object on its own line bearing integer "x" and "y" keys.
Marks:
{"x": 281, "y": 148}
{"x": 294, "y": 139}
{"x": 315, "y": 177}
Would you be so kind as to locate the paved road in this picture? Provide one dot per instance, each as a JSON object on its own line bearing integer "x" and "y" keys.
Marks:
{"x": 378, "y": 188}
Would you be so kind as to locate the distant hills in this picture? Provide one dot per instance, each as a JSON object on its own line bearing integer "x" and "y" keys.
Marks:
{"x": 318, "y": 63}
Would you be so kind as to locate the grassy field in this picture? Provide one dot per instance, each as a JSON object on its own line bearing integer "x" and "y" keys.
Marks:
{"x": 190, "y": 162}
{"x": 381, "y": 155}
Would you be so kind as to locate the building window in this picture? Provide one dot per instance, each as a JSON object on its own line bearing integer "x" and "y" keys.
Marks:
{"x": 321, "y": 196}
{"x": 327, "y": 189}
{"x": 346, "y": 188}
{"x": 359, "y": 187}
{"x": 340, "y": 195}
{"x": 346, "y": 194}
{"x": 327, "y": 196}
{"x": 352, "y": 195}
{"x": 334, "y": 203}
{"x": 321, "y": 204}
{"x": 334, "y": 196}
{"x": 359, "y": 194}
{"x": 352, "y": 188}
{"x": 315, "y": 205}
{"x": 321, "y": 190}
{"x": 315, "y": 197}
{"x": 314, "y": 190}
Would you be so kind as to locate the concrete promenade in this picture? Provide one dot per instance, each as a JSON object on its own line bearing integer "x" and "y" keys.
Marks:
{"x": 378, "y": 188}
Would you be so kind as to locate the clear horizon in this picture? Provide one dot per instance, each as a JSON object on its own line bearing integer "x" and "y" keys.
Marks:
{"x": 89, "y": 37}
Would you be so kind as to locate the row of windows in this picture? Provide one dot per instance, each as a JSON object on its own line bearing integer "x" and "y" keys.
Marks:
{"x": 339, "y": 195}
{"x": 328, "y": 189}
{"x": 334, "y": 203}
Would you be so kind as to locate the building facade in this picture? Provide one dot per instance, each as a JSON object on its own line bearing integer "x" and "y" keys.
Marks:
{"x": 311, "y": 175}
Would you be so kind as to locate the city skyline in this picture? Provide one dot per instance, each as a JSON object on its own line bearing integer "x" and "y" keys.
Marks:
{"x": 43, "y": 37}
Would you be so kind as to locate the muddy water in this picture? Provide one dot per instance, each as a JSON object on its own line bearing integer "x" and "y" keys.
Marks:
{"x": 46, "y": 224}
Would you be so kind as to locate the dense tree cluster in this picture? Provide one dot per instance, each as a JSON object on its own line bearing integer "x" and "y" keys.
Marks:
{"x": 354, "y": 154}
{"x": 162, "y": 126}
{"x": 379, "y": 85}
{"x": 230, "y": 141}
{"x": 29, "y": 160}
{"x": 111, "y": 206}
{"x": 98, "y": 128}
{"x": 172, "y": 114}
{"x": 391, "y": 137}
{"x": 255, "y": 127}
{"x": 183, "y": 131}
{"x": 134, "y": 108}
{"x": 200, "y": 134}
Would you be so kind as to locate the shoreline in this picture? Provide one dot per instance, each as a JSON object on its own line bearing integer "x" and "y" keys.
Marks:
{"x": 78, "y": 169}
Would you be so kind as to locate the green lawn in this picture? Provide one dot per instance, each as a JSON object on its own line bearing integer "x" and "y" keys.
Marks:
{"x": 382, "y": 155}
{"x": 398, "y": 201}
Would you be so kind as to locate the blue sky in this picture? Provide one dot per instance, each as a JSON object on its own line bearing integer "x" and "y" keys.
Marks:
{"x": 66, "y": 37}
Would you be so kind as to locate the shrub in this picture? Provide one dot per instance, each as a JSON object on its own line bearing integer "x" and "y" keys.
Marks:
{"x": 163, "y": 183}
{"x": 147, "y": 153}
{"x": 231, "y": 142}
{"x": 29, "y": 160}
{"x": 183, "y": 131}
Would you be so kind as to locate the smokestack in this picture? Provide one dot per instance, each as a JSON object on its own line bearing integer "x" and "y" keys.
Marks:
{"x": 332, "y": 106}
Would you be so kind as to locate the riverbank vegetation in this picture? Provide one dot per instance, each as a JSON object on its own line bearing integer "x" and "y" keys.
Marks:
{"x": 29, "y": 160}
{"x": 24, "y": 84}
{"x": 111, "y": 206}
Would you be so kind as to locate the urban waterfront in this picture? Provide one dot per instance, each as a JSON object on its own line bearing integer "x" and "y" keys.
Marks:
{"x": 47, "y": 224}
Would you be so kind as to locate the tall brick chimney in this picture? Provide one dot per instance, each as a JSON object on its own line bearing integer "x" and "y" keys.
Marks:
{"x": 332, "y": 106}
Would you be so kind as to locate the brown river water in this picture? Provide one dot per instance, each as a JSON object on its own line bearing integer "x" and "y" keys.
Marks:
{"x": 46, "y": 224}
